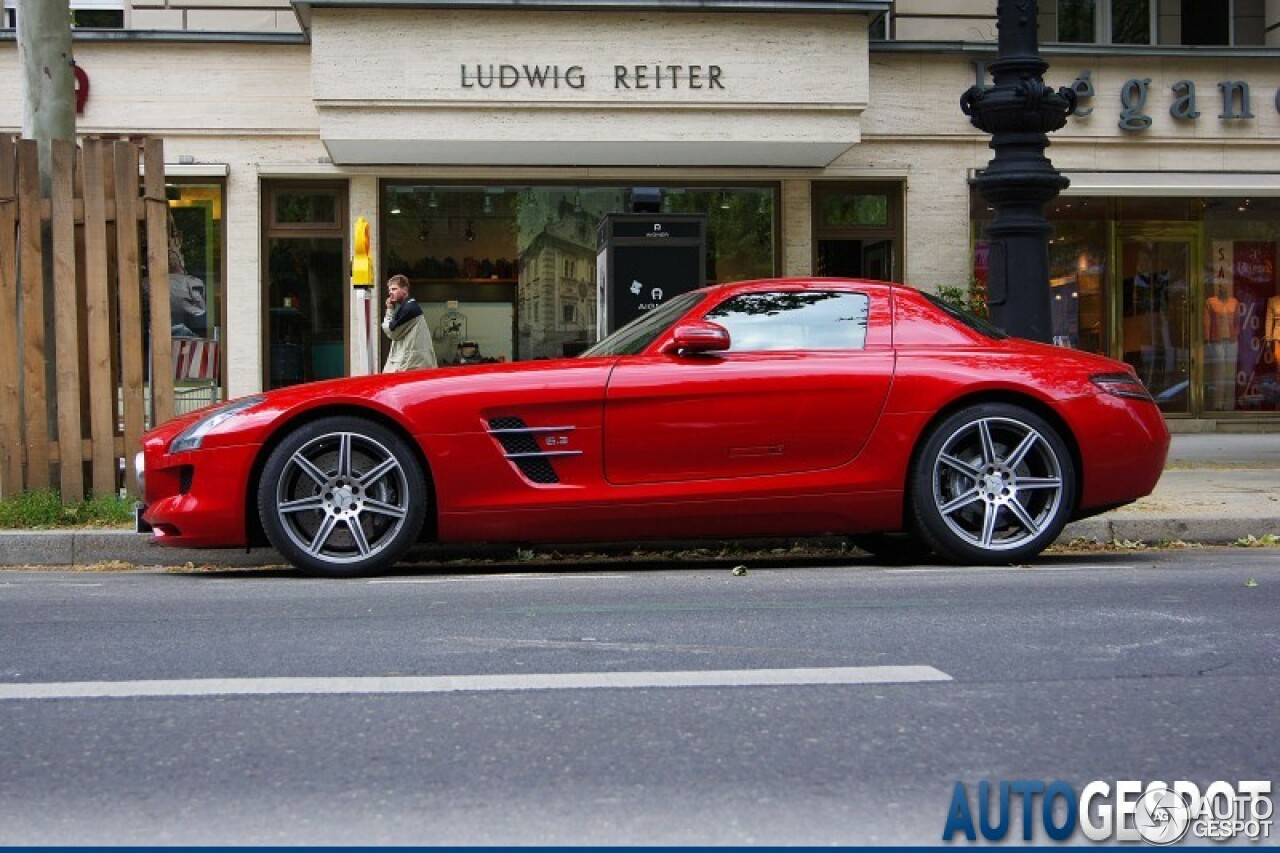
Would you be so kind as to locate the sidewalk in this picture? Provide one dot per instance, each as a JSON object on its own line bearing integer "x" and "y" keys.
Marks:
{"x": 1217, "y": 488}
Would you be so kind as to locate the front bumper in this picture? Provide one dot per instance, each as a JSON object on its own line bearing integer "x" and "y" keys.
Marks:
{"x": 196, "y": 499}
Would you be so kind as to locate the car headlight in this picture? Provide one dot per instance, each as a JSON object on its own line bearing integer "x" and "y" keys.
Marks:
{"x": 191, "y": 437}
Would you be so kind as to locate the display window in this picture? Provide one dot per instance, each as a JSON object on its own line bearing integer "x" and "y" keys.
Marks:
{"x": 508, "y": 272}
{"x": 1182, "y": 288}
{"x": 196, "y": 291}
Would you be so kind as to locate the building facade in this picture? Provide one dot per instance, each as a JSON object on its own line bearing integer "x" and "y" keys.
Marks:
{"x": 485, "y": 142}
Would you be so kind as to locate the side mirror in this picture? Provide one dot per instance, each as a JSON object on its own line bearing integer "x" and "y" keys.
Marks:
{"x": 699, "y": 336}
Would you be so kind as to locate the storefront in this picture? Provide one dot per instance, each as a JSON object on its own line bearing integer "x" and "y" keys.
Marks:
{"x": 1169, "y": 268}
{"x": 484, "y": 144}
{"x": 498, "y": 142}
{"x": 1182, "y": 287}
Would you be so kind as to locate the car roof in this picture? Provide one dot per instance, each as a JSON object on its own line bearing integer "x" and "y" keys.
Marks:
{"x": 879, "y": 290}
{"x": 802, "y": 282}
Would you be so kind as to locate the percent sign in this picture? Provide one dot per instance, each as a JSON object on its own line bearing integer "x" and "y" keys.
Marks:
{"x": 1248, "y": 381}
{"x": 1249, "y": 320}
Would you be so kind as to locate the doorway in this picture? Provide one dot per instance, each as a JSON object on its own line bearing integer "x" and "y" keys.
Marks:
{"x": 306, "y": 288}
{"x": 1156, "y": 264}
{"x": 858, "y": 230}
{"x": 856, "y": 258}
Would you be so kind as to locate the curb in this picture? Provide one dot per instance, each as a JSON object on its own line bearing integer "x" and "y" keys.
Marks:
{"x": 78, "y": 548}
{"x": 1205, "y": 531}
{"x": 84, "y": 548}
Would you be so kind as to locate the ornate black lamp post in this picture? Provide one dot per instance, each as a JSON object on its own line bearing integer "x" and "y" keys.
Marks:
{"x": 1018, "y": 111}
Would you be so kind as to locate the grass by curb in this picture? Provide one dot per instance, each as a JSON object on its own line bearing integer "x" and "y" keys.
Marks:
{"x": 42, "y": 510}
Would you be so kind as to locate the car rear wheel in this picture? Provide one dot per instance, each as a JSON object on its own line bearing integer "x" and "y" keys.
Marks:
{"x": 342, "y": 497}
{"x": 992, "y": 483}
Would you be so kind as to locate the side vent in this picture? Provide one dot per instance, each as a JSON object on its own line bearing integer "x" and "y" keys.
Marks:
{"x": 520, "y": 445}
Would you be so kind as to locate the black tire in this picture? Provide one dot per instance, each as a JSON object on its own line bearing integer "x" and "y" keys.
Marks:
{"x": 342, "y": 497}
{"x": 897, "y": 549}
{"x": 993, "y": 483}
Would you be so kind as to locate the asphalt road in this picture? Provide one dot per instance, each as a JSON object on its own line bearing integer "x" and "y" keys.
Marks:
{"x": 268, "y": 708}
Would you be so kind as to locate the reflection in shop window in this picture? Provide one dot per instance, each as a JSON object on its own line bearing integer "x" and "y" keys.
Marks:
{"x": 196, "y": 292}
{"x": 840, "y": 210}
{"x": 318, "y": 207}
{"x": 1184, "y": 288}
{"x": 1097, "y": 21}
{"x": 1140, "y": 22}
{"x": 520, "y": 261}
{"x": 1155, "y": 313}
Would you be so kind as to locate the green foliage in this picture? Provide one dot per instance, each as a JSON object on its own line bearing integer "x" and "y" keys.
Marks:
{"x": 971, "y": 297}
{"x": 44, "y": 509}
{"x": 1267, "y": 540}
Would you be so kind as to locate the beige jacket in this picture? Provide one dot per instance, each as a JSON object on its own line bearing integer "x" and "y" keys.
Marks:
{"x": 410, "y": 341}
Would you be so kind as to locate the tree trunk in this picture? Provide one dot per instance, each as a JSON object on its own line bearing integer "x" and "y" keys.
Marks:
{"x": 48, "y": 113}
{"x": 48, "y": 82}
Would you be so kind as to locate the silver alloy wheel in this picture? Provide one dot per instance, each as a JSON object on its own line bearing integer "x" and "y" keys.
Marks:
{"x": 342, "y": 497}
{"x": 997, "y": 483}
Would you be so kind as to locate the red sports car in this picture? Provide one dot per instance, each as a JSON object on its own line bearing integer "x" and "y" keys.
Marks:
{"x": 764, "y": 408}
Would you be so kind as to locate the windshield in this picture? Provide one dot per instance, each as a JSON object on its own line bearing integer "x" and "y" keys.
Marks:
{"x": 973, "y": 321}
{"x": 640, "y": 332}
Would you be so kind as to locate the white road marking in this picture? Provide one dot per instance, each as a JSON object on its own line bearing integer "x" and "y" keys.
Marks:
{"x": 471, "y": 683}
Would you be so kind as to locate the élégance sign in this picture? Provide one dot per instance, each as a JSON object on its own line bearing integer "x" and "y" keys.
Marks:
{"x": 1234, "y": 99}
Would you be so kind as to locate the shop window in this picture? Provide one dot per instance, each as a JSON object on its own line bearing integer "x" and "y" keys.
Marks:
{"x": 852, "y": 209}
{"x": 305, "y": 208}
{"x": 1156, "y": 267}
{"x": 519, "y": 262}
{"x": 1079, "y": 262}
{"x": 196, "y": 291}
{"x": 1241, "y": 247}
{"x": 1185, "y": 289}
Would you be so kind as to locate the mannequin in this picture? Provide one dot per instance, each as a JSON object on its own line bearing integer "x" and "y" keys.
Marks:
{"x": 1221, "y": 333}
{"x": 1271, "y": 328}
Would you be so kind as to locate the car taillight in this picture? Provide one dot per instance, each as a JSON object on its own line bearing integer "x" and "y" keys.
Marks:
{"x": 1122, "y": 385}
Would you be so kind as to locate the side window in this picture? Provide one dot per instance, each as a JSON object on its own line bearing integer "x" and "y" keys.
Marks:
{"x": 794, "y": 320}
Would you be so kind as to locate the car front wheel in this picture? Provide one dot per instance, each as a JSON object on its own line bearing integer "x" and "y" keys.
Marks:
{"x": 342, "y": 497}
{"x": 994, "y": 483}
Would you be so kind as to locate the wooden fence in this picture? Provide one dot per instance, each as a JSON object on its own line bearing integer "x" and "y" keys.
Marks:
{"x": 76, "y": 391}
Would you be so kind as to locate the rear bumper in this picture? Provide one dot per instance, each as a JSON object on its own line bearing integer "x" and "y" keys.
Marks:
{"x": 1124, "y": 454}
